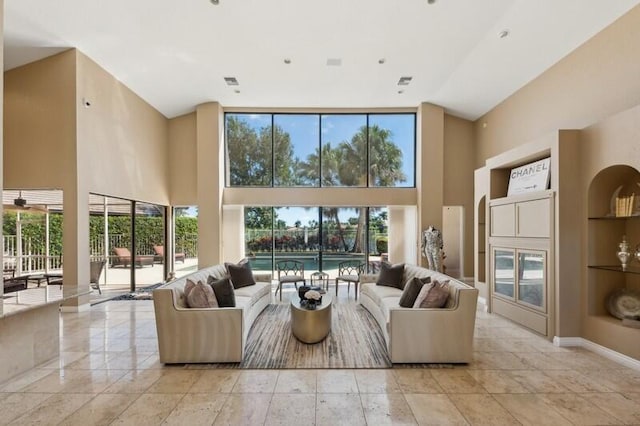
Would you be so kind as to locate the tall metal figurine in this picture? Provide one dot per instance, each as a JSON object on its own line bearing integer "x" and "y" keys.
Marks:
{"x": 432, "y": 248}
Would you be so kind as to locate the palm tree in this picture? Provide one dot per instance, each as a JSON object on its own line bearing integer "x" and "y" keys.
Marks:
{"x": 385, "y": 166}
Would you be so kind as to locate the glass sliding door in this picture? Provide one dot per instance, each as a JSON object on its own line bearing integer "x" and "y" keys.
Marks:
{"x": 320, "y": 237}
{"x": 258, "y": 237}
{"x": 293, "y": 240}
{"x": 185, "y": 236}
{"x": 128, "y": 244}
{"x": 343, "y": 236}
{"x": 149, "y": 244}
{"x": 110, "y": 239}
{"x": 378, "y": 238}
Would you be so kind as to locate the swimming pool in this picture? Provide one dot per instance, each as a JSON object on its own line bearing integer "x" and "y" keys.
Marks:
{"x": 330, "y": 261}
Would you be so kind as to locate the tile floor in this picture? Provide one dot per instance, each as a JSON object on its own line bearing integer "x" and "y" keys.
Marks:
{"x": 108, "y": 373}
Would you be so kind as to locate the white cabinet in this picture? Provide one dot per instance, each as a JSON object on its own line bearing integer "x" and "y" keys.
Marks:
{"x": 520, "y": 246}
{"x": 528, "y": 217}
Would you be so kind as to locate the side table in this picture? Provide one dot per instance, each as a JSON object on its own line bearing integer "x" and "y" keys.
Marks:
{"x": 311, "y": 325}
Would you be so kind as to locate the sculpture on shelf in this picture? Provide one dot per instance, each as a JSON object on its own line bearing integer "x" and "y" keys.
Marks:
{"x": 432, "y": 248}
{"x": 624, "y": 254}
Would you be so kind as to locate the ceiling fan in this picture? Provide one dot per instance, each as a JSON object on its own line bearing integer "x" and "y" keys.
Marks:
{"x": 20, "y": 204}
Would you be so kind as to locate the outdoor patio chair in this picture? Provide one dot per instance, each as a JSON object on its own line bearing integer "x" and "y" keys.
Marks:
{"x": 289, "y": 271}
{"x": 122, "y": 256}
{"x": 159, "y": 255}
{"x": 12, "y": 284}
{"x": 349, "y": 271}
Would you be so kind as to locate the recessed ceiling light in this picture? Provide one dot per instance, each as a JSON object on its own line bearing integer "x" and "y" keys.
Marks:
{"x": 400, "y": 92}
{"x": 431, "y": 1}
{"x": 237, "y": 91}
{"x": 404, "y": 81}
{"x": 231, "y": 81}
{"x": 215, "y": 1}
{"x": 381, "y": 61}
{"x": 334, "y": 62}
{"x": 287, "y": 61}
{"x": 503, "y": 33}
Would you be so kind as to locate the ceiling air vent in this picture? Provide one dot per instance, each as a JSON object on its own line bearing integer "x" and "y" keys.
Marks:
{"x": 404, "y": 81}
{"x": 231, "y": 81}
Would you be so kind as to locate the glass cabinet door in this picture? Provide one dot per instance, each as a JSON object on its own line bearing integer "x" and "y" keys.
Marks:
{"x": 531, "y": 278}
{"x": 504, "y": 272}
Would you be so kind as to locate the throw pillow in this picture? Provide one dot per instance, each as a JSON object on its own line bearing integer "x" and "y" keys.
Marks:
{"x": 188, "y": 287}
{"x": 424, "y": 291}
{"x": 391, "y": 275}
{"x": 411, "y": 291}
{"x": 241, "y": 274}
{"x": 224, "y": 293}
{"x": 438, "y": 295}
{"x": 200, "y": 295}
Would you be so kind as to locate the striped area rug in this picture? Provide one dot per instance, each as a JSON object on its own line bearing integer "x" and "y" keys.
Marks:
{"x": 355, "y": 341}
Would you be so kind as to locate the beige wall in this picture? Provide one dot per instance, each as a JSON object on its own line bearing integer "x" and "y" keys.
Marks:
{"x": 459, "y": 160}
{"x": 123, "y": 140}
{"x": 183, "y": 183}
{"x": 430, "y": 167}
{"x": 597, "y": 80}
{"x": 40, "y": 123}
{"x": 210, "y": 172}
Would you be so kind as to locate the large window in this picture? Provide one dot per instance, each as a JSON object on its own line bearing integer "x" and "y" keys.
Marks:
{"x": 313, "y": 150}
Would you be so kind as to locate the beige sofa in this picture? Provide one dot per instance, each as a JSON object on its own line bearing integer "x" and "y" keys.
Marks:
{"x": 442, "y": 335}
{"x": 194, "y": 335}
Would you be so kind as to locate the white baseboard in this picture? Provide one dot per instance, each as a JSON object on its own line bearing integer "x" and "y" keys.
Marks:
{"x": 625, "y": 360}
{"x": 79, "y": 308}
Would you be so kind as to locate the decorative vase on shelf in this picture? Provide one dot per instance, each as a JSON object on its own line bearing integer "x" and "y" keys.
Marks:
{"x": 624, "y": 254}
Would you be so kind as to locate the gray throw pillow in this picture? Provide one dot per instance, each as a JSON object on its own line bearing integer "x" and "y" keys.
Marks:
{"x": 241, "y": 274}
{"x": 391, "y": 275}
{"x": 438, "y": 295}
{"x": 199, "y": 295}
{"x": 411, "y": 291}
{"x": 224, "y": 293}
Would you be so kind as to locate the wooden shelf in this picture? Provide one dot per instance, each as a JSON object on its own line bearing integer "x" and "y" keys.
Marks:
{"x": 615, "y": 217}
{"x": 613, "y": 321}
{"x": 631, "y": 269}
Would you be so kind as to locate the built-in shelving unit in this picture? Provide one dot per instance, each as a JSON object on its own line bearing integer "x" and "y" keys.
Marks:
{"x": 604, "y": 270}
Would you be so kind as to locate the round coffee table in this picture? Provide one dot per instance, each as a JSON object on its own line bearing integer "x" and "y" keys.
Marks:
{"x": 311, "y": 326}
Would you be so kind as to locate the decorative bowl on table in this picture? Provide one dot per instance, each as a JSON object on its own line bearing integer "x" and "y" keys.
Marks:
{"x": 302, "y": 290}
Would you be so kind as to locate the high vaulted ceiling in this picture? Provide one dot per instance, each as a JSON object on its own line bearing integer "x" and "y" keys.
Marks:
{"x": 176, "y": 53}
